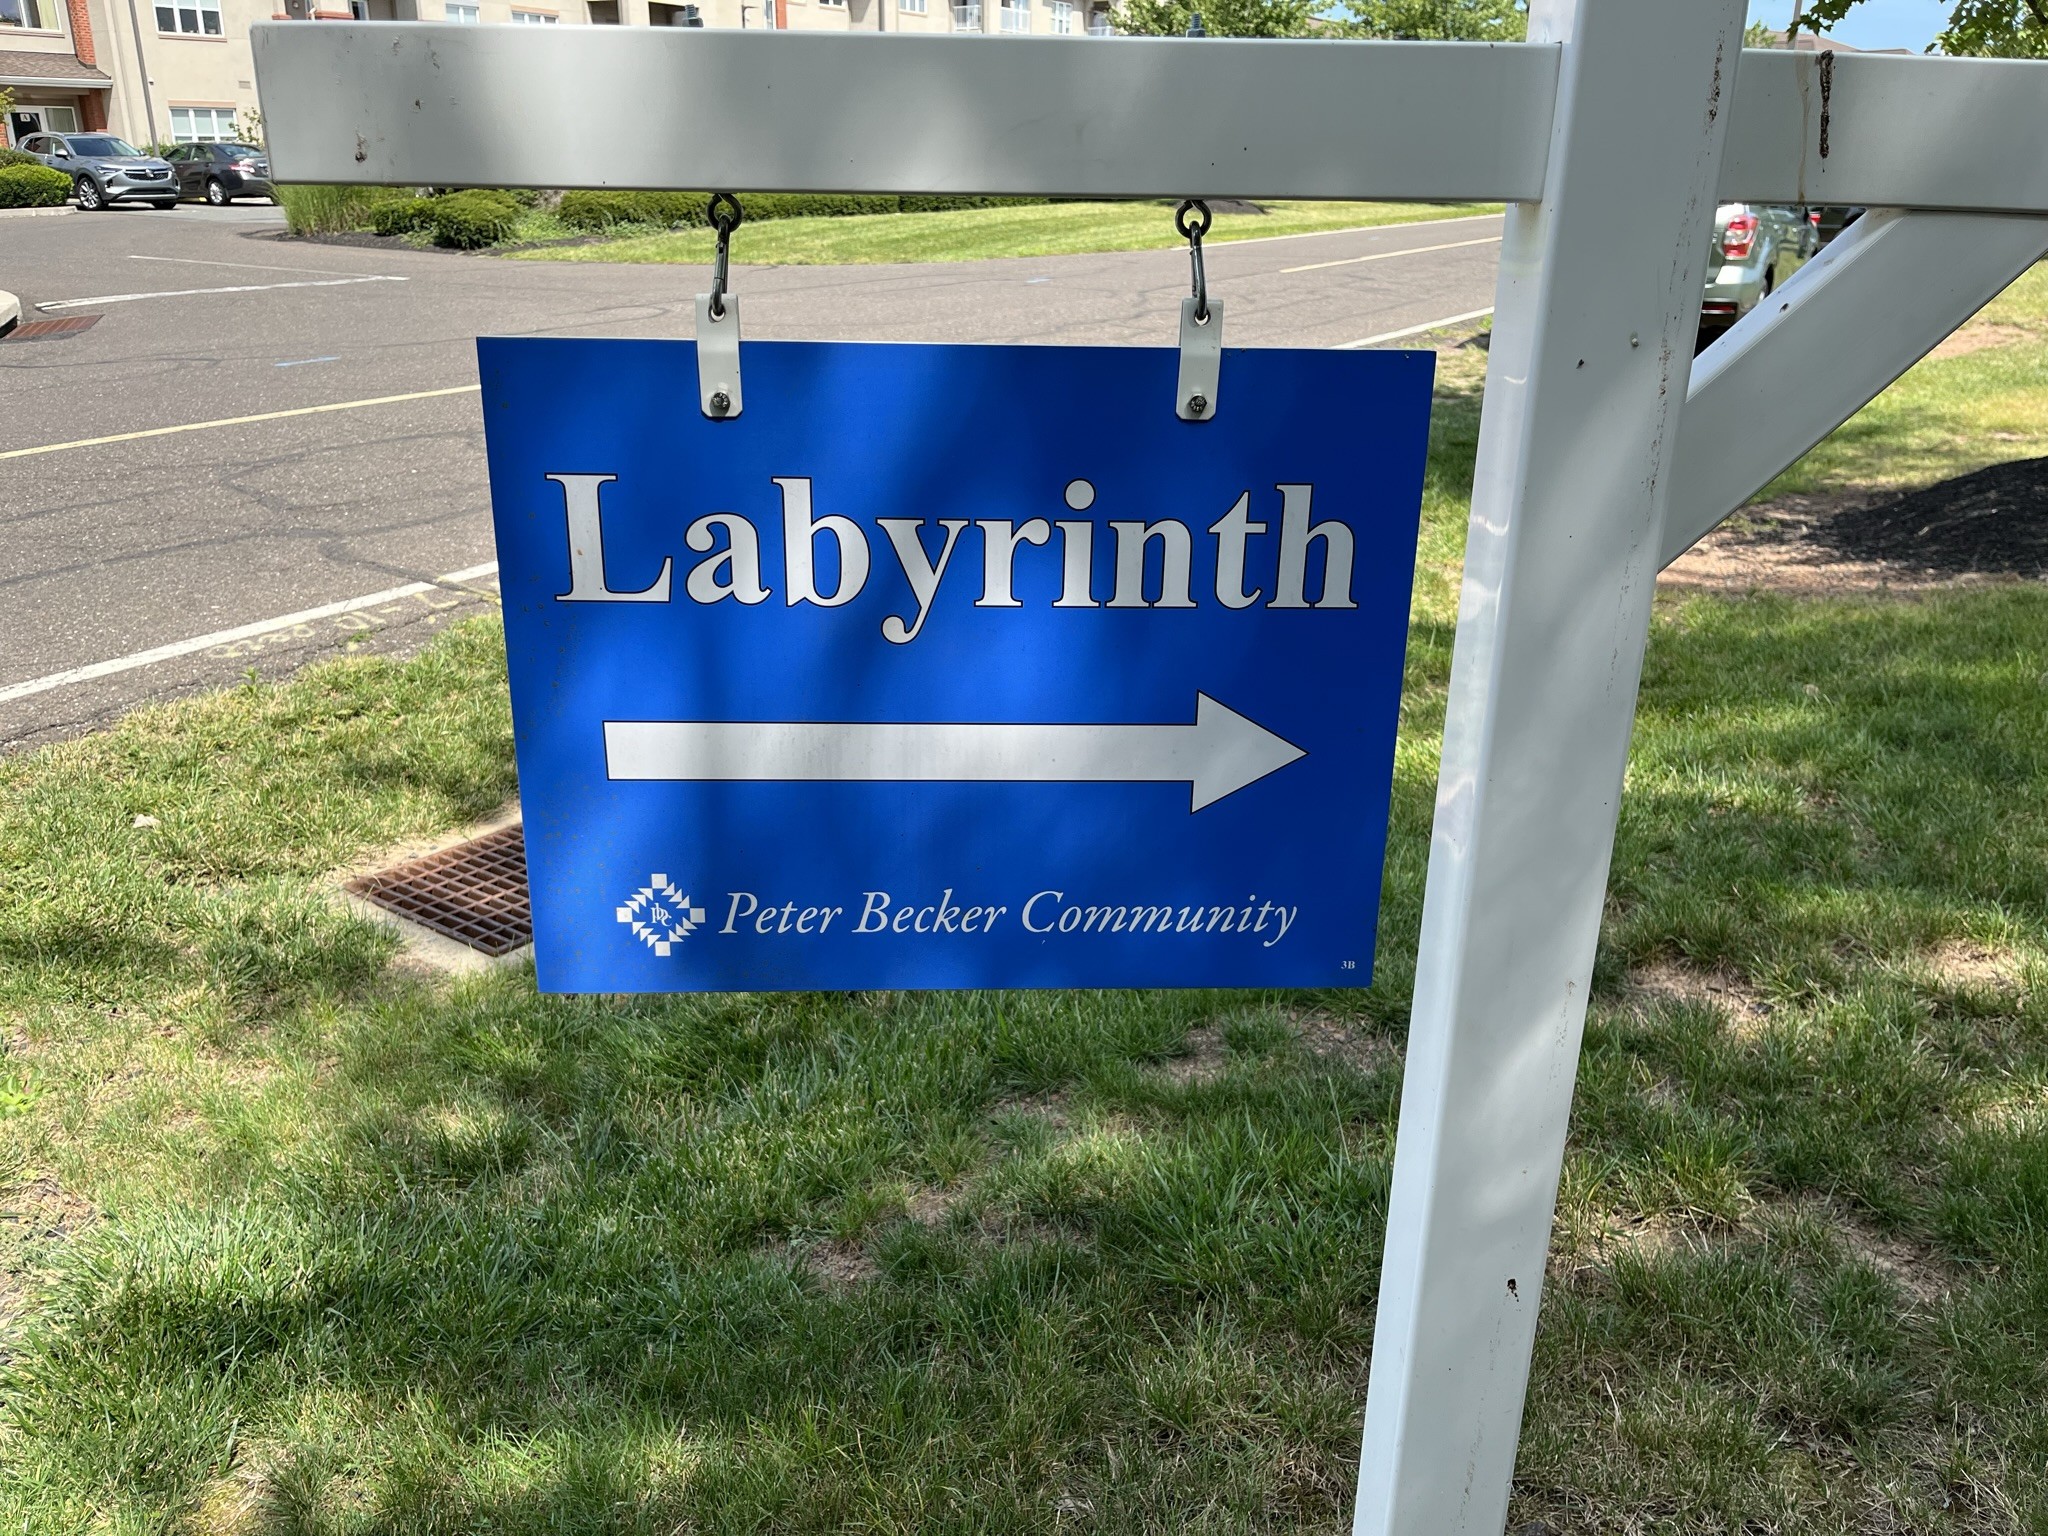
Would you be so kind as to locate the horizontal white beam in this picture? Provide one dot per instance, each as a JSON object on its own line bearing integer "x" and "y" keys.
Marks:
{"x": 1901, "y": 132}
{"x": 1817, "y": 351}
{"x": 415, "y": 104}
{"x": 434, "y": 105}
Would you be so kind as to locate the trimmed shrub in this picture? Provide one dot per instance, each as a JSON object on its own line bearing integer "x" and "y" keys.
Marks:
{"x": 33, "y": 186}
{"x": 403, "y": 215}
{"x": 16, "y": 157}
{"x": 468, "y": 221}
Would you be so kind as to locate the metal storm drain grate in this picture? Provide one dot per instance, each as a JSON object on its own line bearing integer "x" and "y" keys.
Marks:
{"x": 52, "y": 330}
{"x": 474, "y": 893}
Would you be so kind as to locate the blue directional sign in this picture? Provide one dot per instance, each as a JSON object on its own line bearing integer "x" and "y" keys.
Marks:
{"x": 953, "y": 666}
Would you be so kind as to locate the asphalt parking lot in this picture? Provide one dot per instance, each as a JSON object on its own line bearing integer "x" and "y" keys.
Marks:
{"x": 262, "y": 449}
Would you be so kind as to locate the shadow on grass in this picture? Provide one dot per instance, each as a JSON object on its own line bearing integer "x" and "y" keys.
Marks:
{"x": 477, "y": 1259}
{"x": 512, "y": 1232}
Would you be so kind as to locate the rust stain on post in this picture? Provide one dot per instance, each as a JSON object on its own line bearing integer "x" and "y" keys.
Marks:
{"x": 1827, "y": 91}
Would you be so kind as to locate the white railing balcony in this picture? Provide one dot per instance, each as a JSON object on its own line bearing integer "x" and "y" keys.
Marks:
{"x": 966, "y": 18}
{"x": 1101, "y": 29}
{"x": 1016, "y": 19}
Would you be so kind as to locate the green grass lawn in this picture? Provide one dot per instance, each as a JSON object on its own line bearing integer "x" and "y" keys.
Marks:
{"x": 296, "y": 1239}
{"x": 972, "y": 234}
{"x": 1984, "y": 402}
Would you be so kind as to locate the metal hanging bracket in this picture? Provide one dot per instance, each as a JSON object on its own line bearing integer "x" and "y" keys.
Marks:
{"x": 1201, "y": 325}
{"x": 718, "y": 320}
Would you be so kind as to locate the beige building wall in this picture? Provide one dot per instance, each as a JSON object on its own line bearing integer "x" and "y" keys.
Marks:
{"x": 1035, "y": 18}
{"x": 182, "y": 68}
{"x": 48, "y": 64}
{"x": 194, "y": 71}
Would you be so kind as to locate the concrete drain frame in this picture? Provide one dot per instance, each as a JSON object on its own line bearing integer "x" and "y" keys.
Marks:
{"x": 459, "y": 906}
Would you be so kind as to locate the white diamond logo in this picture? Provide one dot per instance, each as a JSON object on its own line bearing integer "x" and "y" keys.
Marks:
{"x": 660, "y": 915}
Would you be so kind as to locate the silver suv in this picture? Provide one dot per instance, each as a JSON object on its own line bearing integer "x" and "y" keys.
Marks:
{"x": 1756, "y": 247}
{"x": 105, "y": 170}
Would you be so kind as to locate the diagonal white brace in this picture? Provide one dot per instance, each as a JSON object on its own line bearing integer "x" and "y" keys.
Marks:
{"x": 1818, "y": 350}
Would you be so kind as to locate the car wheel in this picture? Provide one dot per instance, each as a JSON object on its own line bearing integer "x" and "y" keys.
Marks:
{"x": 216, "y": 194}
{"x": 89, "y": 197}
{"x": 1770, "y": 280}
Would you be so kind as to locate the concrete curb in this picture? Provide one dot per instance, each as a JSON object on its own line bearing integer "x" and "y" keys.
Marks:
{"x": 34, "y": 213}
{"x": 10, "y": 312}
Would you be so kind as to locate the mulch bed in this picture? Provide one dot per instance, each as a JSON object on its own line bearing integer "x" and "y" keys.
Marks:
{"x": 1992, "y": 523}
{"x": 1988, "y": 526}
{"x": 362, "y": 239}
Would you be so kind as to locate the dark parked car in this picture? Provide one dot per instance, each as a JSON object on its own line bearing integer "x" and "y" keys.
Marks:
{"x": 220, "y": 173}
{"x": 105, "y": 170}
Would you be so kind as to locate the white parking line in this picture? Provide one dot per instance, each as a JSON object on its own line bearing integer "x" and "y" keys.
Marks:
{"x": 1350, "y": 229}
{"x": 186, "y": 293}
{"x": 179, "y": 648}
{"x": 1413, "y": 330}
{"x": 1412, "y": 250}
{"x": 237, "y": 421}
{"x": 247, "y": 266}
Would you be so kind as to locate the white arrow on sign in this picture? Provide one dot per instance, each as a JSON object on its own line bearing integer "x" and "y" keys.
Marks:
{"x": 1218, "y": 755}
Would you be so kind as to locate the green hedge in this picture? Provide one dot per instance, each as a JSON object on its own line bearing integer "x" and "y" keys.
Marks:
{"x": 469, "y": 221}
{"x": 403, "y": 215}
{"x": 951, "y": 204}
{"x": 33, "y": 186}
{"x": 602, "y": 210}
{"x": 16, "y": 157}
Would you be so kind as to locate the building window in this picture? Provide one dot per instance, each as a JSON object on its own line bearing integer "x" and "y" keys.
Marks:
{"x": 468, "y": 13}
{"x": 359, "y": 9}
{"x": 43, "y": 120}
{"x": 202, "y": 125}
{"x": 28, "y": 15}
{"x": 914, "y": 7}
{"x": 1016, "y": 15}
{"x": 533, "y": 18}
{"x": 201, "y": 19}
{"x": 1062, "y": 14}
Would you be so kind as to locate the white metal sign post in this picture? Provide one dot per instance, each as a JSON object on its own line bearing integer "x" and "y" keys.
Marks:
{"x": 1605, "y": 450}
{"x": 1600, "y": 289}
